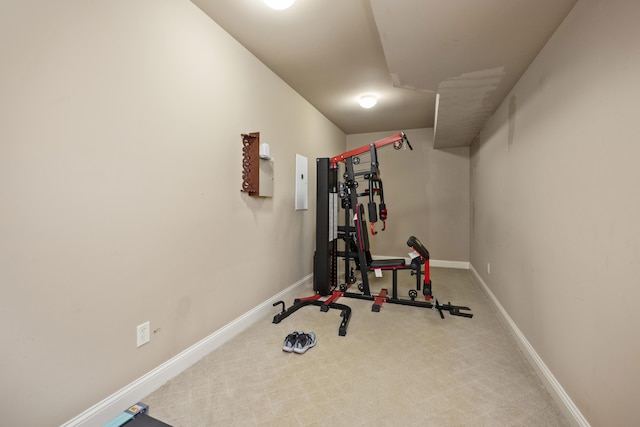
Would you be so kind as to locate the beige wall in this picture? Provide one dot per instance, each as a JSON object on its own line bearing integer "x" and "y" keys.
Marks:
{"x": 120, "y": 202}
{"x": 556, "y": 208}
{"x": 427, "y": 195}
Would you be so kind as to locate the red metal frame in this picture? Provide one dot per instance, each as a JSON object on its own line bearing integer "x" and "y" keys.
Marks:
{"x": 313, "y": 297}
{"x": 381, "y": 298}
{"x": 336, "y": 295}
{"x": 394, "y": 139}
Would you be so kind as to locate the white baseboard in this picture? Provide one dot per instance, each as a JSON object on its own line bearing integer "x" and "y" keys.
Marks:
{"x": 559, "y": 395}
{"x": 464, "y": 265}
{"x": 115, "y": 404}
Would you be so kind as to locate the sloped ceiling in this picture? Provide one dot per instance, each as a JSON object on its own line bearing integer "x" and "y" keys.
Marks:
{"x": 466, "y": 54}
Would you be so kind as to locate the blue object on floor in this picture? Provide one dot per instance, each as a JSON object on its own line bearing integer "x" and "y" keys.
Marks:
{"x": 120, "y": 420}
{"x": 136, "y": 416}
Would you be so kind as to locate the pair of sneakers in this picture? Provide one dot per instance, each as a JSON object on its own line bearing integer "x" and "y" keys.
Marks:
{"x": 299, "y": 342}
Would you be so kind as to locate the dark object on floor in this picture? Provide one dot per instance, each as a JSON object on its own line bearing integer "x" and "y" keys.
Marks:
{"x": 144, "y": 420}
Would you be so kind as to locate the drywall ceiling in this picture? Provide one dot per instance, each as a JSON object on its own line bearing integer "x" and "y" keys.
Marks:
{"x": 470, "y": 52}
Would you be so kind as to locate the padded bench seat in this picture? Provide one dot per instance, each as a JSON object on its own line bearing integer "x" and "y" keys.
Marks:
{"x": 387, "y": 263}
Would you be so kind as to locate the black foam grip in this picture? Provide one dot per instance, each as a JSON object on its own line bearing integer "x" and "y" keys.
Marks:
{"x": 373, "y": 215}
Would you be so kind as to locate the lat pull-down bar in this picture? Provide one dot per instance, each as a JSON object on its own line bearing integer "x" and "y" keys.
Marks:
{"x": 397, "y": 140}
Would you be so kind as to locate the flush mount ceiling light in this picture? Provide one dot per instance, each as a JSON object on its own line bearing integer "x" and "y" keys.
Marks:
{"x": 279, "y": 4}
{"x": 368, "y": 101}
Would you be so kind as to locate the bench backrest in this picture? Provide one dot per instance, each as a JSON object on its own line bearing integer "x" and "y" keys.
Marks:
{"x": 417, "y": 246}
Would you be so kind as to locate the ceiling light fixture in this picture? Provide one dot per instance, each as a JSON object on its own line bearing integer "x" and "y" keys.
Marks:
{"x": 279, "y": 4}
{"x": 367, "y": 101}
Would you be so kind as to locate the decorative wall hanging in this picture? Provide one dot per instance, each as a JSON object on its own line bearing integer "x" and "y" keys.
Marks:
{"x": 257, "y": 170}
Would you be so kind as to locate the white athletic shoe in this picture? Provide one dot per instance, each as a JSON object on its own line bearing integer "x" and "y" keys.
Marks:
{"x": 290, "y": 341}
{"x": 304, "y": 342}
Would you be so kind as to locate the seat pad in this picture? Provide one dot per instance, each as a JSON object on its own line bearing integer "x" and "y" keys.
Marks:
{"x": 387, "y": 263}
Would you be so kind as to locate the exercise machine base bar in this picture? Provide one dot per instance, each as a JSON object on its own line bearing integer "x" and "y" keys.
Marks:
{"x": 324, "y": 305}
{"x": 378, "y": 300}
{"x": 454, "y": 310}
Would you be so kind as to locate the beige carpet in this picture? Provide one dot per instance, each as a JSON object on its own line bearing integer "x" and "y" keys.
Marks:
{"x": 403, "y": 366}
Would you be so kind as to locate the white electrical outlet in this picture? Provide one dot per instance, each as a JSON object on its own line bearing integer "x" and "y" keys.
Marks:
{"x": 143, "y": 333}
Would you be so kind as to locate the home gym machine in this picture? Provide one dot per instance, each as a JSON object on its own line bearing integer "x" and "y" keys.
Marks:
{"x": 355, "y": 237}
